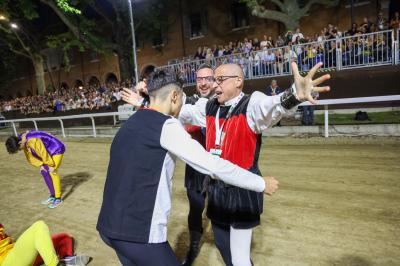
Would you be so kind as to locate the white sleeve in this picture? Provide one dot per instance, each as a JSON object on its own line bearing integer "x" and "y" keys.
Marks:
{"x": 194, "y": 114}
{"x": 177, "y": 141}
{"x": 264, "y": 111}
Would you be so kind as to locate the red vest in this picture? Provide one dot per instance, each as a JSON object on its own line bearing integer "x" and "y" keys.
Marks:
{"x": 240, "y": 144}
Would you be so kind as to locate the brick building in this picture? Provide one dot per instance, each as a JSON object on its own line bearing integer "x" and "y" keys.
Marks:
{"x": 192, "y": 24}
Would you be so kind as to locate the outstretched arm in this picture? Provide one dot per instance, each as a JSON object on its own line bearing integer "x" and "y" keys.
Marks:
{"x": 178, "y": 142}
{"x": 190, "y": 114}
{"x": 264, "y": 111}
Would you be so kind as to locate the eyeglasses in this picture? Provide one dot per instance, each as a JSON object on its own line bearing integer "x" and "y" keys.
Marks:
{"x": 221, "y": 79}
{"x": 206, "y": 79}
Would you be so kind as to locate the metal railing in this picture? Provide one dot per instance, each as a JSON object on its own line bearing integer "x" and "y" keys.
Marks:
{"x": 68, "y": 117}
{"x": 309, "y": 54}
{"x": 366, "y": 50}
{"x": 324, "y": 103}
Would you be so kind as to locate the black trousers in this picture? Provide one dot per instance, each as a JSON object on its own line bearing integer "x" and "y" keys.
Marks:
{"x": 196, "y": 204}
{"x": 142, "y": 254}
{"x": 222, "y": 241}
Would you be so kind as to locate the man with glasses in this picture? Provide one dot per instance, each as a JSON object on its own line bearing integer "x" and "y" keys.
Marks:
{"x": 194, "y": 180}
{"x": 235, "y": 123}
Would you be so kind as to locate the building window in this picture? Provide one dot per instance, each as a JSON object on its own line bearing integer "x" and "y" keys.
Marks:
{"x": 240, "y": 15}
{"x": 196, "y": 28}
{"x": 195, "y": 25}
{"x": 158, "y": 39}
{"x": 93, "y": 55}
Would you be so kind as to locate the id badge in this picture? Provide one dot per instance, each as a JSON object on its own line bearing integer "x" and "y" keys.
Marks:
{"x": 216, "y": 152}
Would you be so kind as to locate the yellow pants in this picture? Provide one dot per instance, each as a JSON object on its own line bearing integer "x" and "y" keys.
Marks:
{"x": 35, "y": 240}
{"x": 54, "y": 176}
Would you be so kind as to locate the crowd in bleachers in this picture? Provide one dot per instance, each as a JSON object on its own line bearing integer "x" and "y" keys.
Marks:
{"x": 272, "y": 57}
{"x": 91, "y": 97}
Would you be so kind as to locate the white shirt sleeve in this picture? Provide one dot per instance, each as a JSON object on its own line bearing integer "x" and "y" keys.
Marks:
{"x": 177, "y": 141}
{"x": 264, "y": 111}
{"x": 194, "y": 114}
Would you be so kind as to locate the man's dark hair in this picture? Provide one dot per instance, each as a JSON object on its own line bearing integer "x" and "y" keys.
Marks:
{"x": 162, "y": 78}
{"x": 12, "y": 144}
{"x": 205, "y": 65}
{"x": 147, "y": 71}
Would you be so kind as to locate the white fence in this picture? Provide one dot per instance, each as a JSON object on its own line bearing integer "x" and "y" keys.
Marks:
{"x": 115, "y": 116}
{"x": 325, "y": 103}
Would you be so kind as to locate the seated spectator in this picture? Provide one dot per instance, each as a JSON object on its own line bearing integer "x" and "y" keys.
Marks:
{"x": 117, "y": 94}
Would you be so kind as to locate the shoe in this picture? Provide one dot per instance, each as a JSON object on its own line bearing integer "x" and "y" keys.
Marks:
{"x": 55, "y": 203}
{"x": 78, "y": 260}
{"x": 48, "y": 201}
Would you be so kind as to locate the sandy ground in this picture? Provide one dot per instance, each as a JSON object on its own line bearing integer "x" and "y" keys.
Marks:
{"x": 338, "y": 203}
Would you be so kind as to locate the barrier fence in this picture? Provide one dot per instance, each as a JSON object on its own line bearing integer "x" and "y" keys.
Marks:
{"x": 357, "y": 51}
{"x": 116, "y": 115}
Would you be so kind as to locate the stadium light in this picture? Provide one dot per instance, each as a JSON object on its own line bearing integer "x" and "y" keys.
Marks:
{"x": 14, "y": 25}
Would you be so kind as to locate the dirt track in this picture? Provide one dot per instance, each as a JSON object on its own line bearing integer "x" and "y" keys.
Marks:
{"x": 338, "y": 202}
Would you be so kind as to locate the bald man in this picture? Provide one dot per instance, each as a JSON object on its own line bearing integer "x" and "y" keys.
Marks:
{"x": 235, "y": 123}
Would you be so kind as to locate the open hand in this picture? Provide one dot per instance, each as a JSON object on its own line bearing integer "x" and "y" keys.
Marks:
{"x": 131, "y": 97}
{"x": 271, "y": 185}
{"x": 305, "y": 86}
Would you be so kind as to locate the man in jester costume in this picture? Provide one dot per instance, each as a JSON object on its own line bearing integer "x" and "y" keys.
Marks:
{"x": 45, "y": 151}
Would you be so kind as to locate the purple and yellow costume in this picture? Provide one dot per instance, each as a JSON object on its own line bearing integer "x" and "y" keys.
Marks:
{"x": 43, "y": 149}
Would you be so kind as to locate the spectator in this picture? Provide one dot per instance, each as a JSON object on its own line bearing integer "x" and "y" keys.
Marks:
{"x": 297, "y": 36}
{"x": 308, "y": 112}
{"x": 353, "y": 29}
{"x": 366, "y": 25}
{"x": 273, "y": 89}
{"x": 381, "y": 22}
{"x": 395, "y": 22}
{"x": 264, "y": 42}
{"x": 199, "y": 54}
{"x": 280, "y": 42}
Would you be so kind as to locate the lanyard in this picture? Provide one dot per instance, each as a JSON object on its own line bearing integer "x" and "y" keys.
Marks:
{"x": 219, "y": 135}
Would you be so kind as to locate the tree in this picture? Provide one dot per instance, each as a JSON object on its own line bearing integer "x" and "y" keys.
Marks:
{"x": 114, "y": 35}
{"x": 23, "y": 37}
{"x": 289, "y": 11}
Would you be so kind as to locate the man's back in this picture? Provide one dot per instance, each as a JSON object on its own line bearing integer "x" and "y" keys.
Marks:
{"x": 136, "y": 181}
